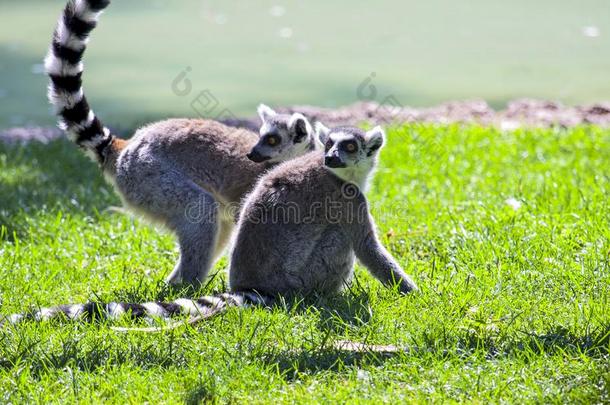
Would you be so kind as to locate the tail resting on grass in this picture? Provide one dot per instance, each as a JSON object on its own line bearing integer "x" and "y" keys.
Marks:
{"x": 197, "y": 309}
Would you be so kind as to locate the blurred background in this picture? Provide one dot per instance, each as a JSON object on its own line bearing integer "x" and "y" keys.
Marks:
{"x": 310, "y": 52}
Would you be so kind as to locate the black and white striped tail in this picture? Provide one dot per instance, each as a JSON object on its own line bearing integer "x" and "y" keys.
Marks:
{"x": 204, "y": 306}
{"x": 64, "y": 66}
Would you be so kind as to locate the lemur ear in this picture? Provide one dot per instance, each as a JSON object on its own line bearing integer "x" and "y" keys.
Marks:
{"x": 265, "y": 112}
{"x": 322, "y": 132}
{"x": 374, "y": 140}
{"x": 300, "y": 126}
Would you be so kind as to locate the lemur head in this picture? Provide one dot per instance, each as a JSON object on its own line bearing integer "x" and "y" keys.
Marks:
{"x": 350, "y": 153}
{"x": 282, "y": 137}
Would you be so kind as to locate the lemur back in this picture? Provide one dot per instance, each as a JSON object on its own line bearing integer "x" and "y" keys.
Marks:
{"x": 284, "y": 244}
{"x": 187, "y": 174}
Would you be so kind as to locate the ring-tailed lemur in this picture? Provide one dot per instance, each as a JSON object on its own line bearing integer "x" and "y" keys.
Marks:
{"x": 307, "y": 219}
{"x": 186, "y": 174}
{"x": 299, "y": 232}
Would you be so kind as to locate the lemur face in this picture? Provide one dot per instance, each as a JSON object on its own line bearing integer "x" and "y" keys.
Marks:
{"x": 347, "y": 147}
{"x": 282, "y": 136}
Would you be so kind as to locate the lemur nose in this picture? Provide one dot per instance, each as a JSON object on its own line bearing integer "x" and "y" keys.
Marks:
{"x": 333, "y": 161}
{"x": 256, "y": 156}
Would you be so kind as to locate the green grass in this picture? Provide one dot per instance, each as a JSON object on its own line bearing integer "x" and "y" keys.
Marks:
{"x": 514, "y": 302}
{"x": 423, "y": 53}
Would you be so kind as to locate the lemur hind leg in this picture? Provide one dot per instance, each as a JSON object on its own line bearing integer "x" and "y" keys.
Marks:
{"x": 197, "y": 228}
{"x": 156, "y": 188}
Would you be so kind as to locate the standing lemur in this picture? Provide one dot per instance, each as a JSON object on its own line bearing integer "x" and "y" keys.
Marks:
{"x": 299, "y": 232}
{"x": 171, "y": 169}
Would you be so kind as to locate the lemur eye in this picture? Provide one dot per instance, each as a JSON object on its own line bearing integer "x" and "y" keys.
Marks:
{"x": 273, "y": 140}
{"x": 329, "y": 144}
{"x": 351, "y": 147}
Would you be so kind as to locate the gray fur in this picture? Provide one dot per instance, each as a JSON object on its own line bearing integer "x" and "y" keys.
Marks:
{"x": 304, "y": 224}
{"x": 189, "y": 175}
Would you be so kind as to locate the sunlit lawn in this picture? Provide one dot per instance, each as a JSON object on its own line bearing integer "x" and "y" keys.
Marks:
{"x": 508, "y": 235}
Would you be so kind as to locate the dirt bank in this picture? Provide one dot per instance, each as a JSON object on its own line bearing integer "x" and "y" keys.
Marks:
{"x": 519, "y": 113}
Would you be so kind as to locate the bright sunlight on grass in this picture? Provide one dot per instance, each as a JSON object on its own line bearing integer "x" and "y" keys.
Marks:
{"x": 507, "y": 234}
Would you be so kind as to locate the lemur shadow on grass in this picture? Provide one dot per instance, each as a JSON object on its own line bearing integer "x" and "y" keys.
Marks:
{"x": 97, "y": 351}
{"x": 557, "y": 340}
{"x": 350, "y": 307}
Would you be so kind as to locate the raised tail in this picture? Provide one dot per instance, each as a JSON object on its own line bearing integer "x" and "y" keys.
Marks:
{"x": 64, "y": 67}
{"x": 202, "y": 307}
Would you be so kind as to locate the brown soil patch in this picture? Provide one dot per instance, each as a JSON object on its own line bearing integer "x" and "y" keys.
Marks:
{"x": 519, "y": 113}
